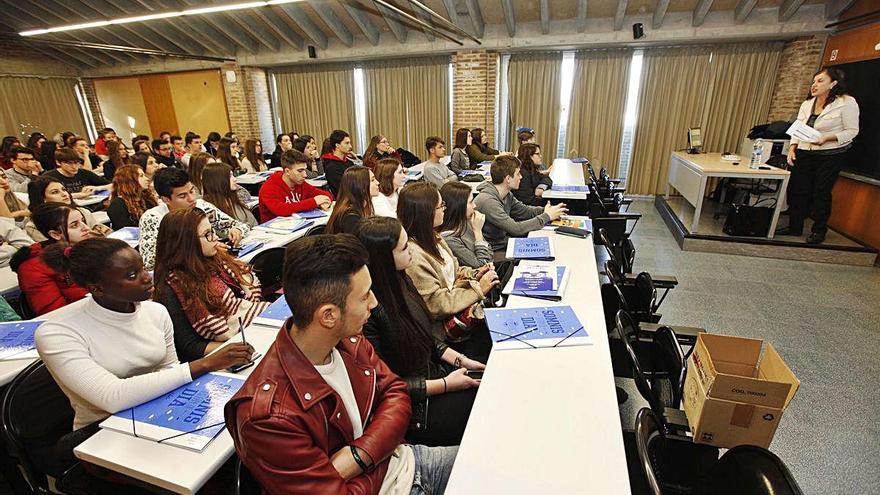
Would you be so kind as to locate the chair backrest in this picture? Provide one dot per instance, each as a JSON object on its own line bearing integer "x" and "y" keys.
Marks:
{"x": 669, "y": 358}
{"x": 269, "y": 268}
{"x": 647, "y": 293}
{"x": 255, "y": 210}
{"x": 648, "y": 432}
{"x": 34, "y": 415}
{"x": 316, "y": 230}
{"x": 597, "y": 205}
{"x": 610, "y": 247}
{"x": 628, "y": 332}
{"x": 749, "y": 469}
{"x": 245, "y": 483}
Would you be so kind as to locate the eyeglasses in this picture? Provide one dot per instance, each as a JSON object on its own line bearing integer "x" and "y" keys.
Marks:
{"x": 209, "y": 236}
{"x": 442, "y": 206}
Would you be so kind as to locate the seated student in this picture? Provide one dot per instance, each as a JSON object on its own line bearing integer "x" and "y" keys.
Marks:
{"x": 462, "y": 227}
{"x": 193, "y": 144}
{"x": 78, "y": 182}
{"x": 140, "y": 144}
{"x": 391, "y": 176}
{"x": 306, "y": 145}
{"x": 452, "y": 293}
{"x": 506, "y": 215}
{"x": 286, "y": 192}
{"x": 308, "y": 420}
{"x": 118, "y": 157}
{"x": 253, "y": 156}
{"x": 410, "y": 340}
{"x": 435, "y": 172}
{"x": 176, "y": 192}
{"x": 105, "y": 135}
{"x": 213, "y": 144}
{"x": 147, "y": 163}
{"x": 459, "y": 159}
{"x": 525, "y": 135}
{"x": 227, "y": 152}
{"x": 206, "y": 291}
{"x": 24, "y": 168}
{"x": 479, "y": 149}
{"x": 48, "y": 190}
{"x": 197, "y": 164}
{"x": 379, "y": 149}
{"x": 91, "y": 161}
{"x": 221, "y": 190}
{"x": 47, "y": 155}
{"x": 533, "y": 183}
{"x": 45, "y": 284}
{"x": 131, "y": 197}
{"x": 355, "y": 201}
{"x": 10, "y": 206}
{"x": 163, "y": 151}
{"x": 336, "y": 161}
{"x": 282, "y": 144}
{"x": 12, "y": 238}
{"x": 178, "y": 149}
{"x": 115, "y": 349}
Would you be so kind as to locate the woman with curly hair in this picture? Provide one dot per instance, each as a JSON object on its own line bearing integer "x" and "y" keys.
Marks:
{"x": 132, "y": 196}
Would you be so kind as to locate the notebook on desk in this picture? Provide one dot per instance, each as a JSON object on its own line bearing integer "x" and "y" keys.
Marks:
{"x": 536, "y": 327}
{"x": 17, "y": 339}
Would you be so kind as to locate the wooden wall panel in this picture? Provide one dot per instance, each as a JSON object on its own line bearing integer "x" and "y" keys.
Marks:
{"x": 199, "y": 101}
{"x": 157, "y": 101}
{"x": 122, "y": 105}
{"x": 856, "y": 211}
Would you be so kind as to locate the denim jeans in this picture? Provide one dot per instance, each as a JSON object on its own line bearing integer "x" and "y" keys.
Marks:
{"x": 433, "y": 466}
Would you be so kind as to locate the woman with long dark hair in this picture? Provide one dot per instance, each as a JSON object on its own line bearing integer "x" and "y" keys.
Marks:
{"x": 45, "y": 189}
{"x": 391, "y": 176}
{"x": 282, "y": 144}
{"x": 533, "y": 182}
{"x": 411, "y": 341}
{"x": 131, "y": 197}
{"x": 47, "y": 155}
{"x": 221, "y": 190}
{"x": 207, "y": 291}
{"x": 355, "y": 200}
{"x": 253, "y": 156}
{"x": 462, "y": 227}
{"x": 816, "y": 165}
{"x": 197, "y": 164}
{"x": 379, "y": 149}
{"x": 117, "y": 157}
{"x": 459, "y": 159}
{"x": 227, "y": 152}
{"x": 35, "y": 143}
{"x": 479, "y": 150}
{"x": 147, "y": 162}
{"x": 307, "y": 145}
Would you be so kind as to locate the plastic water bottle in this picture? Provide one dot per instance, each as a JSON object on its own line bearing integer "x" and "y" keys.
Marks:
{"x": 757, "y": 154}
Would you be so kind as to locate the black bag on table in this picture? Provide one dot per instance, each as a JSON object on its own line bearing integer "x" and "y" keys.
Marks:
{"x": 749, "y": 221}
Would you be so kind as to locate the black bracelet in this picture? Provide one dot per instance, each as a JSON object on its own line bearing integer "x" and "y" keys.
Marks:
{"x": 357, "y": 458}
{"x": 444, "y": 383}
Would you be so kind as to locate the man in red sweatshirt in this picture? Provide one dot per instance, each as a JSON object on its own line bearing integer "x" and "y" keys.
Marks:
{"x": 287, "y": 192}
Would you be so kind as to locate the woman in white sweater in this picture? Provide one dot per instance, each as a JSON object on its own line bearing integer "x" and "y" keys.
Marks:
{"x": 391, "y": 177}
{"x": 115, "y": 349}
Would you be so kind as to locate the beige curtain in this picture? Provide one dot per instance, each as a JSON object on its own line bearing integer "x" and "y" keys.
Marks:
{"x": 407, "y": 101}
{"x": 30, "y": 104}
{"x": 533, "y": 81}
{"x": 740, "y": 91}
{"x": 598, "y": 103}
{"x": 316, "y": 100}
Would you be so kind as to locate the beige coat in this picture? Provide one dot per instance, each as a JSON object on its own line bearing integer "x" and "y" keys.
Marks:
{"x": 443, "y": 301}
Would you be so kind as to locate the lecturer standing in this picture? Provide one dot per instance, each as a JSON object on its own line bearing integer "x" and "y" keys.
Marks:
{"x": 816, "y": 165}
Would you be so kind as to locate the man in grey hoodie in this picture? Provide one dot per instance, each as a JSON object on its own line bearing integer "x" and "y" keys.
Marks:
{"x": 506, "y": 215}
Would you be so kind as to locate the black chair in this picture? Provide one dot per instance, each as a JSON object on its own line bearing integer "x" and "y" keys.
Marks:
{"x": 245, "y": 483}
{"x": 749, "y": 469}
{"x": 621, "y": 251}
{"x": 24, "y": 308}
{"x": 255, "y": 210}
{"x": 269, "y": 268}
{"x": 316, "y": 230}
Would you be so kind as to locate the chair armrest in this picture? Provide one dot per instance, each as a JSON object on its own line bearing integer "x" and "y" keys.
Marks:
{"x": 686, "y": 335}
{"x": 660, "y": 281}
{"x": 627, "y": 215}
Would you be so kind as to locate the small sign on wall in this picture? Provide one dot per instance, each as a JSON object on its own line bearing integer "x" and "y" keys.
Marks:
{"x": 230, "y": 75}
{"x": 833, "y": 55}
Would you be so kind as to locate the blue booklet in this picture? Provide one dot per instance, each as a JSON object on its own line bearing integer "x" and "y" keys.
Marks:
{"x": 275, "y": 314}
{"x": 17, "y": 339}
{"x": 310, "y": 214}
{"x": 189, "y": 416}
{"x": 103, "y": 192}
{"x": 249, "y": 248}
{"x": 530, "y": 248}
{"x": 570, "y": 188}
{"x": 285, "y": 225}
{"x": 531, "y": 328}
{"x": 538, "y": 280}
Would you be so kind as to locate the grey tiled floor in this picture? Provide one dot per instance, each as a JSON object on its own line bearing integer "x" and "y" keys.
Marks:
{"x": 825, "y": 322}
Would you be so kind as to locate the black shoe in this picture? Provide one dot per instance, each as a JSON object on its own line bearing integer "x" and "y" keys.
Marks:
{"x": 815, "y": 238}
{"x": 788, "y": 231}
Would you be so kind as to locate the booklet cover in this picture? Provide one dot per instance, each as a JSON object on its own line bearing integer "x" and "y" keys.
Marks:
{"x": 17, "y": 339}
{"x": 539, "y": 280}
{"x": 570, "y": 188}
{"x": 275, "y": 314}
{"x": 531, "y": 328}
{"x": 530, "y": 248}
{"x": 583, "y": 223}
{"x": 189, "y": 416}
{"x": 286, "y": 225}
{"x": 310, "y": 214}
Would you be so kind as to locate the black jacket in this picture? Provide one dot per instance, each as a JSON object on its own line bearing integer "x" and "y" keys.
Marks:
{"x": 189, "y": 345}
{"x": 334, "y": 167}
{"x": 381, "y": 332}
{"x": 530, "y": 181}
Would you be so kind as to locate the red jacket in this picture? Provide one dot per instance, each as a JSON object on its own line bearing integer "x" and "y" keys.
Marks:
{"x": 101, "y": 147}
{"x": 46, "y": 289}
{"x": 277, "y": 199}
{"x": 287, "y": 422}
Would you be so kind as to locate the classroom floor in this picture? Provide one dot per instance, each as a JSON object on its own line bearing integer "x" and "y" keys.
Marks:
{"x": 825, "y": 322}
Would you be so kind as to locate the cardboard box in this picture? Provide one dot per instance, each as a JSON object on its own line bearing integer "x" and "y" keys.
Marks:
{"x": 732, "y": 395}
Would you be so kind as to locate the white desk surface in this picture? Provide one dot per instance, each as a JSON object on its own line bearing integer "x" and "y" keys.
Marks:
{"x": 272, "y": 240}
{"x": 172, "y": 468}
{"x": 546, "y": 420}
{"x": 712, "y": 164}
{"x": 566, "y": 172}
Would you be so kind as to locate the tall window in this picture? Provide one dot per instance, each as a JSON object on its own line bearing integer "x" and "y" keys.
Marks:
{"x": 630, "y": 116}
{"x": 86, "y": 112}
{"x": 567, "y": 83}
{"x": 360, "y": 108}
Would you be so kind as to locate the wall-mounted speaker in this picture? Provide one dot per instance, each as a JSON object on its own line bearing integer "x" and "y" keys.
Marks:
{"x": 638, "y": 31}
{"x": 312, "y": 52}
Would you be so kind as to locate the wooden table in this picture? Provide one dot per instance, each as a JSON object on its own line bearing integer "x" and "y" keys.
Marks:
{"x": 689, "y": 174}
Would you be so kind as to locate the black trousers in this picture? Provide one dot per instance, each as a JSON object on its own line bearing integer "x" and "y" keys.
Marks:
{"x": 809, "y": 189}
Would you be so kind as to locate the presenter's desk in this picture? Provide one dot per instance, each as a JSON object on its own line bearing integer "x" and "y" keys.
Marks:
{"x": 546, "y": 420}
{"x": 689, "y": 174}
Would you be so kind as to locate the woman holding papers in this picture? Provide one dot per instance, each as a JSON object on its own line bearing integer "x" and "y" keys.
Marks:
{"x": 452, "y": 293}
{"x": 114, "y": 350}
{"x": 208, "y": 293}
{"x": 816, "y": 164}
{"x": 411, "y": 341}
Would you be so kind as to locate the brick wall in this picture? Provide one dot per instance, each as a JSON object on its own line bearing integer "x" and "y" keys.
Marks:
{"x": 247, "y": 103}
{"x": 88, "y": 86}
{"x": 801, "y": 58}
{"x": 474, "y": 82}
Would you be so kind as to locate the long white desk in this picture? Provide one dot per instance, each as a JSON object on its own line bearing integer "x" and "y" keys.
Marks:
{"x": 172, "y": 468}
{"x": 273, "y": 240}
{"x": 689, "y": 174}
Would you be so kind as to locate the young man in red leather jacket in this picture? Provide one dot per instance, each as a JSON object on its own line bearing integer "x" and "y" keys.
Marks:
{"x": 322, "y": 413}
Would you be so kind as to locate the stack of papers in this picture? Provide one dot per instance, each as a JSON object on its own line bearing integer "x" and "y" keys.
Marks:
{"x": 285, "y": 225}
{"x": 530, "y": 248}
{"x": 539, "y": 280}
{"x": 189, "y": 416}
{"x": 531, "y": 328}
{"x": 803, "y": 132}
{"x": 17, "y": 339}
